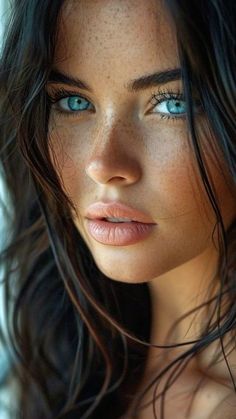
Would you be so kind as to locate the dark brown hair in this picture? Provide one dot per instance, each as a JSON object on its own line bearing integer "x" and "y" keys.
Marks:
{"x": 75, "y": 342}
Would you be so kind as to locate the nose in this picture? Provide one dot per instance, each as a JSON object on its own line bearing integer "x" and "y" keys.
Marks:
{"x": 113, "y": 159}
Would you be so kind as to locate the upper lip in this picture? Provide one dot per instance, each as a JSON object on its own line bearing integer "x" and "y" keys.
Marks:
{"x": 100, "y": 210}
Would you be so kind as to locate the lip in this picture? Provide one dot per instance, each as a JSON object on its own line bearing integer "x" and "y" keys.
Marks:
{"x": 100, "y": 210}
{"x": 117, "y": 234}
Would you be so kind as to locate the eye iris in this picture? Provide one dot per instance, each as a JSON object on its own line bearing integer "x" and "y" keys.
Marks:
{"x": 76, "y": 103}
{"x": 175, "y": 106}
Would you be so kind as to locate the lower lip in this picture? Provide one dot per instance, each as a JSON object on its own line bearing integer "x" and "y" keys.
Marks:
{"x": 118, "y": 234}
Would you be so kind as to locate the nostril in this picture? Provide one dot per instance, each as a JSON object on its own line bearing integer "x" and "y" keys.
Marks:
{"x": 117, "y": 178}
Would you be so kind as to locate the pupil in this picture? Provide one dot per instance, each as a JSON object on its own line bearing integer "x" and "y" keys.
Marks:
{"x": 175, "y": 106}
{"x": 74, "y": 103}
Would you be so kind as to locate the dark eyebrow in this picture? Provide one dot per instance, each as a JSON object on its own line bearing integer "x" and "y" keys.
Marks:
{"x": 59, "y": 77}
{"x": 144, "y": 82}
{"x": 155, "y": 79}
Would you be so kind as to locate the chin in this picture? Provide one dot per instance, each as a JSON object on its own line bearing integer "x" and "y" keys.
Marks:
{"x": 133, "y": 275}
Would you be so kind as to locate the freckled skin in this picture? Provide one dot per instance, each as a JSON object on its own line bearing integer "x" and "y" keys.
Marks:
{"x": 120, "y": 152}
{"x": 124, "y": 151}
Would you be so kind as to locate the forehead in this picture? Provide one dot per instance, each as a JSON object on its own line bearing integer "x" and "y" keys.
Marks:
{"x": 115, "y": 35}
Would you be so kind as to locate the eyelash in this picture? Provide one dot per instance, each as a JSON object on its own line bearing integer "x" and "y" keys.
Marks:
{"x": 162, "y": 96}
{"x": 156, "y": 98}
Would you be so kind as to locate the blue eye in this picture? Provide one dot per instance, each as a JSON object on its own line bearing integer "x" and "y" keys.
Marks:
{"x": 73, "y": 104}
{"x": 174, "y": 107}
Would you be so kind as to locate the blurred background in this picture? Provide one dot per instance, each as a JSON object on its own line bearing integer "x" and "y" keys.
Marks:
{"x": 5, "y": 396}
{"x": 4, "y": 5}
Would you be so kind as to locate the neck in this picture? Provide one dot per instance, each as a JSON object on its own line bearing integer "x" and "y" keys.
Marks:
{"x": 175, "y": 297}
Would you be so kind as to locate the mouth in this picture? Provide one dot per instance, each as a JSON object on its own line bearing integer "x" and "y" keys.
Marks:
{"x": 117, "y": 212}
{"x": 117, "y": 224}
{"x": 118, "y": 232}
{"x": 117, "y": 220}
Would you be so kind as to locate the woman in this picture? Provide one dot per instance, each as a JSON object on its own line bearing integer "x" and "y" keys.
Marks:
{"x": 117, "y": 130}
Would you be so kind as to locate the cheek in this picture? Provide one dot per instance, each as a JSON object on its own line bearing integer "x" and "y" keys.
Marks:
{"x": 70, "y": 153}
{"x": 168, "y": 189}
{"x": 172, "y": 173}
{"x": 170, "y": 179}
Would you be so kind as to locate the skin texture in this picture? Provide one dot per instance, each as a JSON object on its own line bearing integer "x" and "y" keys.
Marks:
{"x": 122, "y": 150}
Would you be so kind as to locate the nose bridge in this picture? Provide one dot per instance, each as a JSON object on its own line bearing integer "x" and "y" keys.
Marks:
{"x": 112, "y": 129}
{"x": 112, "y": 154}
{"x": 115, "y": 121}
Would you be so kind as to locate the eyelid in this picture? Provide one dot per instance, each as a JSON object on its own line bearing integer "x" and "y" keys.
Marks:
{"x": 161, "y": 95}
{"x": 172, "y": 94}
{"x": 168, "y": 94}
{"x": 158, "y": 96}
{"x": 59, "y": 93}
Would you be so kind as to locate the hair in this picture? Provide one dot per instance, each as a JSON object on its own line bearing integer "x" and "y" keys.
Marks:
{"x": 78, "y": 340}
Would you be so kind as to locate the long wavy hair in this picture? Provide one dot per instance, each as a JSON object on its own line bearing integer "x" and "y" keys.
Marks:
{"x": 77, "y": 340}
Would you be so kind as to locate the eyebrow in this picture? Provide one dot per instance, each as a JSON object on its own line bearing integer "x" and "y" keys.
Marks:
{"x": 142, "y": 83}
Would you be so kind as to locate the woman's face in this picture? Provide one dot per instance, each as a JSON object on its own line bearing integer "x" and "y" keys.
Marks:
{"x": 115, "y": 144}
